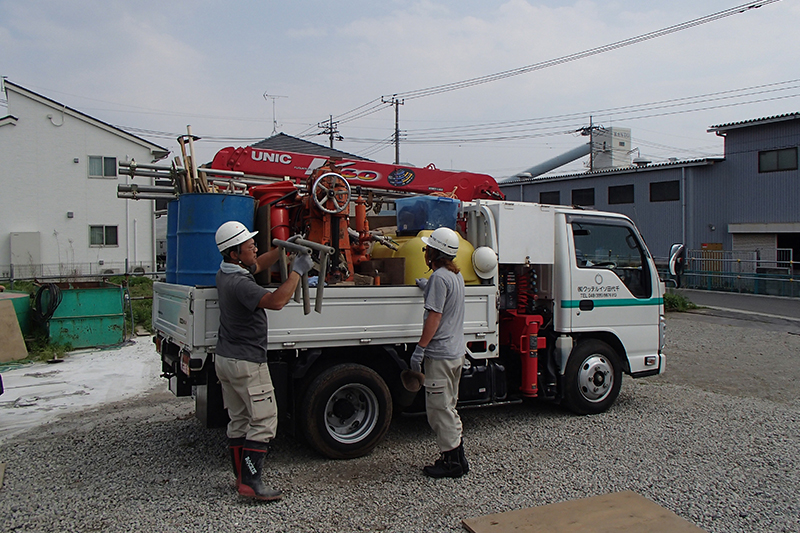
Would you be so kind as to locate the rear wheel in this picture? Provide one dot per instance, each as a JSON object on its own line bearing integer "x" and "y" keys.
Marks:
{"x": 592, "y": 378}
{"x": 346, "y": 411}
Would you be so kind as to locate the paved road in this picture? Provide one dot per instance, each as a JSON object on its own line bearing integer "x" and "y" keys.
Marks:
{"x": 765, "y": 306}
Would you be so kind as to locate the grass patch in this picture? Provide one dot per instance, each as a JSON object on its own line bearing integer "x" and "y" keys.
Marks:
{"x": 677, "y": 302}
{"x": 140, "y": 289}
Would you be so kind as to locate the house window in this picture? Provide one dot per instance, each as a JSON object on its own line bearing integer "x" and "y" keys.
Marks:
{"x": 550, "y": 197}
{"x": 102, "y": 167}
{"x": 775, "y": 160}
{"x": 620, "y": 194}
{"x": 583, "y": 197}
{"x": 103, "y": 236}
{"x": 665, "y": 191}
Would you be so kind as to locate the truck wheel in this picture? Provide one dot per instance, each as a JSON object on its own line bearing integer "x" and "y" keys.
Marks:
{"x": 592, "y": 378}
{"x": 346, "y": 411}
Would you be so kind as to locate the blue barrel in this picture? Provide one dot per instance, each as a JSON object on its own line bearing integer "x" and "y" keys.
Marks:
{"x": 172, "y": 241}
{"x": 199, "y": 216}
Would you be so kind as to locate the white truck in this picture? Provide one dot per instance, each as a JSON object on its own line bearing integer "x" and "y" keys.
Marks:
{"x": 574, "y": 303}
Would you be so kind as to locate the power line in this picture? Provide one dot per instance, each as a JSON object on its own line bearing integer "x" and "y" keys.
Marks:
{"x": 371, "y": 107}
{"x": 438, "y": 89}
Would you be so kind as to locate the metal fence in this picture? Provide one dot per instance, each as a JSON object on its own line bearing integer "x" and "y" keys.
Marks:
{"x": 745, "y": 272}
{"x": 77, "y": 271}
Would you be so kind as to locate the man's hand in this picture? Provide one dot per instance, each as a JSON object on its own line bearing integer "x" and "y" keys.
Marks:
{"x": 422, "y": 283}
{"x": 302, "y": 264}
{"x": 416, "y": 358}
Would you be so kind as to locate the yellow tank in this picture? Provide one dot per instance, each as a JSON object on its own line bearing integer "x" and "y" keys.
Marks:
{"x": 380, "y": 251}
{"x": 415, "y": 259}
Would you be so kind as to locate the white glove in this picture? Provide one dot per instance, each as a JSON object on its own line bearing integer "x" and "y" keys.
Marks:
{"x": 422, "y": 283}
{"x": 302, "y": 264}
{"x": 416, "y": 358}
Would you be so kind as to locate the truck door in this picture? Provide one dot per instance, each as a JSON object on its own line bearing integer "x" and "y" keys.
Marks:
{"x": 612, "y": 285}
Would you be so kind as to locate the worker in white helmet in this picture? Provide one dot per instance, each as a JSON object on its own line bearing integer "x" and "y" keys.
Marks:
{"x": 241, "y": 354}
{"x": 441, "y": 350}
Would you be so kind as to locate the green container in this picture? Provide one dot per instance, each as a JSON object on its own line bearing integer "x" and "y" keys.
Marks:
{"x": 90, "y": 315}
{"x": 22, "y": 306}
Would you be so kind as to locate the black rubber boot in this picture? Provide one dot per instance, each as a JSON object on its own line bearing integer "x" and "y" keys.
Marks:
{"x": 447, "y": 465}
{"x": 235, "y": 446}
{"x": 462, "y": 458}
{"x": 250, "y": 483}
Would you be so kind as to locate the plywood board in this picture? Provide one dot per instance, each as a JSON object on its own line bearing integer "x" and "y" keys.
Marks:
{"x": 608, "y": 513}
{"x": 12, "y": 345}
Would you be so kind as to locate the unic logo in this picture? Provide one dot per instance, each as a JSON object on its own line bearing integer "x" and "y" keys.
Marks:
{"x": 363, "y": 175}
{"x": 272, "y": 157}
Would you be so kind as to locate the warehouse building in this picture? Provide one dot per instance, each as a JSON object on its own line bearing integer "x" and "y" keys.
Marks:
{"x": 742, "y": 209}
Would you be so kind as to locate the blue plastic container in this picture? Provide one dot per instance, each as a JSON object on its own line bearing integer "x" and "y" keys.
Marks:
{"x": 199, "y": 216}
{"x": 172, "y": 241}
{"x": 418, "y": 213}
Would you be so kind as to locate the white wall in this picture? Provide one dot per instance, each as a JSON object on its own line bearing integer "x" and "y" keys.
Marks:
{"x": 41, "y": 183}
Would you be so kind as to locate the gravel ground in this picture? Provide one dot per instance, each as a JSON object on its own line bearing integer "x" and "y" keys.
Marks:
{"x": 714, "y": 440}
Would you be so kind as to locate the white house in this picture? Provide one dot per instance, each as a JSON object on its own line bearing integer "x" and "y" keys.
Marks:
{"x": 59, "y": 211}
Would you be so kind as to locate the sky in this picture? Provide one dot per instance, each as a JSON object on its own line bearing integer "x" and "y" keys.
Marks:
{"x": 238, "y": 71}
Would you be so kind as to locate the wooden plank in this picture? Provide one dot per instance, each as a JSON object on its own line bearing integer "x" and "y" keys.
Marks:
{"x": 11, "y": 341}
{"x": 607, "y": 513}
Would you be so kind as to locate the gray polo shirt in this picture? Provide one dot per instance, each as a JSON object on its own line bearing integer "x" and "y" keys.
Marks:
{"x": 242, "y": 324}
{"x": 445, "y": 294}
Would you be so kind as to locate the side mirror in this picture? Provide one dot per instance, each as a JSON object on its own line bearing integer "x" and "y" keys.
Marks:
{"x": 677, "y": 259}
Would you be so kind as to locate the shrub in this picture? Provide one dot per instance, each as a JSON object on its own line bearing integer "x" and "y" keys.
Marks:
{"x": 677, "y": 302}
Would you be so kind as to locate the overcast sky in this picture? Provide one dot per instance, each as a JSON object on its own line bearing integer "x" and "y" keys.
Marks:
{"x": 158, "y": 66}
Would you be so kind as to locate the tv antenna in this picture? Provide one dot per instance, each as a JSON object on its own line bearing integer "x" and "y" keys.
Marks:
{"x": 274, "y": 97}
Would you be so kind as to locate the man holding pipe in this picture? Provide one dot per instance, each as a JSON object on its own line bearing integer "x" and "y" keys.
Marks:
{"x": 241, "y": 354}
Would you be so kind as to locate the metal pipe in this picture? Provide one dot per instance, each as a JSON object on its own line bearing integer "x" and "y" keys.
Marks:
{"x": 134, "y": 164}
{"x": 550, "y": 164}
{"x": 146, "y": 196}
{"x": 217, "y": 172}
{"x": 145, "y": 173}
{"x": 323, "y": 269}
{"x": 306, "y": 297}
{"x": 301, "y": 290}
{"x": 323, "y": 248}
{"x": 133, "y": 187}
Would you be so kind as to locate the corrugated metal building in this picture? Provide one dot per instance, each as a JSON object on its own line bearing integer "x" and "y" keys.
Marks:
{"x": 748, "y": 200}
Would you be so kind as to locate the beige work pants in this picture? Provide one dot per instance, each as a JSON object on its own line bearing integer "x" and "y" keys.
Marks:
{"x": 442, "y": 377}
{"x": 249, "y": 397}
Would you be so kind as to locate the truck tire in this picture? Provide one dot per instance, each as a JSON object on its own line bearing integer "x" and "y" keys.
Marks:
{"x": 346, "y": 411}
{"x": 592, "y": 378}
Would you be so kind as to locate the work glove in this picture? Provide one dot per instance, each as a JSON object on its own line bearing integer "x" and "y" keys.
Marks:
{"x": 302, "y": 264}
{"x": 416, "y": 358}
{"x": 422, "y": 283}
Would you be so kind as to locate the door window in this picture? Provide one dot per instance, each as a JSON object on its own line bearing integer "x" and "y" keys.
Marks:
{"x": 614, "y": 247}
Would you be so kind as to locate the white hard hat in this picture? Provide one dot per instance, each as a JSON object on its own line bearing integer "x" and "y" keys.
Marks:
{"x": 443, "y": 239}
{"x": 232, "y": 233}
{"x": 484, "y": 261}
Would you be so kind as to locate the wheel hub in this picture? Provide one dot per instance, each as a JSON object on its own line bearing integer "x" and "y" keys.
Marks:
{"x": 596, "y": 378}
{"x": 351, "y": 413}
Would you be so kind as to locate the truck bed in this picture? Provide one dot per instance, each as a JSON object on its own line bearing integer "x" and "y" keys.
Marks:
{"x": 351, "y": 316}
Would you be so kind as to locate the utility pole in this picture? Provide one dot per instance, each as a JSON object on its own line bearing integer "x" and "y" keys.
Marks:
{"x": 329, "y": 128}
{"x": 396, "y": 103}
{"x": 274, "y": 120}
{"x": 590, "y": 133}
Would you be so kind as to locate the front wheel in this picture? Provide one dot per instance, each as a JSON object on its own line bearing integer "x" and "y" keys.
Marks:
{"x": 592, "y": 378}
{"x": 346, "y": 411}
